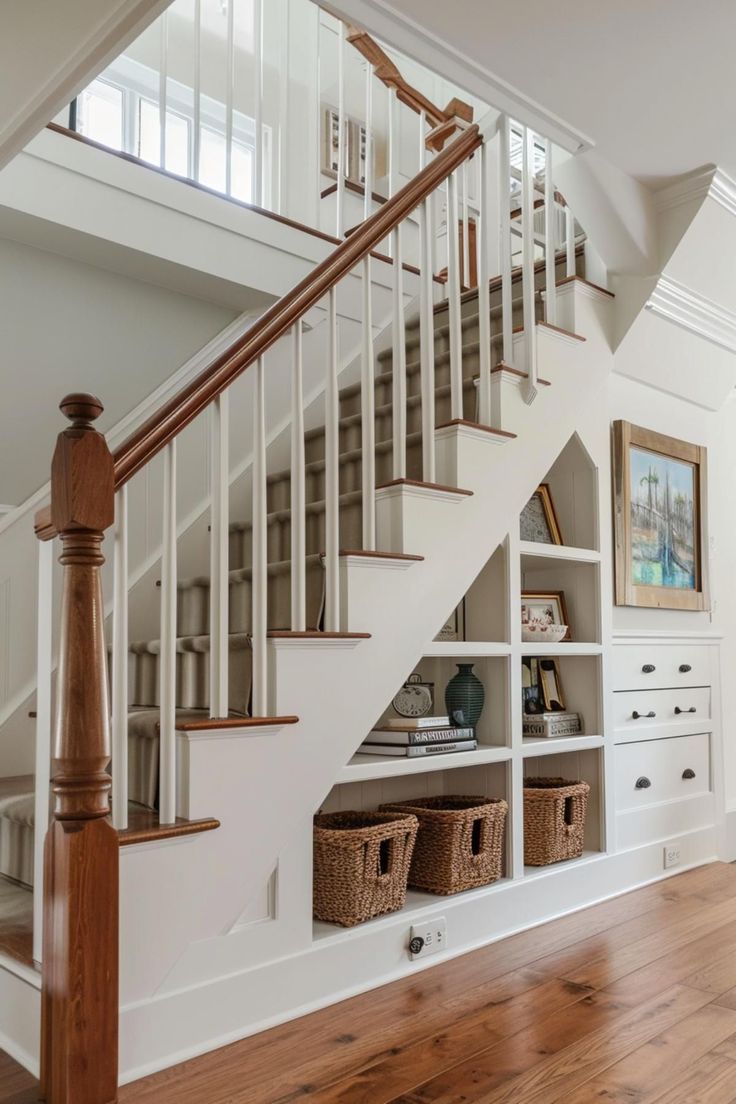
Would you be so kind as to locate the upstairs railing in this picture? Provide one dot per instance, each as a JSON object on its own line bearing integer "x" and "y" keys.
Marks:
{"x": 93, "y": 489}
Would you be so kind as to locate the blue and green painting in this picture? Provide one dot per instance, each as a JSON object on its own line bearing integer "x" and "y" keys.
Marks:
{"x": 663, "y": 521}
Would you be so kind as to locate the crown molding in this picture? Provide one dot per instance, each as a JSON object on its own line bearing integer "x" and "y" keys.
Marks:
{"x": 706, "y": 183}
{"x": 399, "y": 31}
{"x": 692, "y": 311}
{"x": 723, "y": 190}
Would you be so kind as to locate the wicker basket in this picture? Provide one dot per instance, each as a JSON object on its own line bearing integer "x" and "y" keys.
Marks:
{"x": 361, "y": 864}
{"x": 460, "y": 842}
{"x": 554, "y": 820}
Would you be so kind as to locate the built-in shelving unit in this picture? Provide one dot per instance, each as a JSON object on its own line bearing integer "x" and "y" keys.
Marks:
{"x": 489, "y": 637}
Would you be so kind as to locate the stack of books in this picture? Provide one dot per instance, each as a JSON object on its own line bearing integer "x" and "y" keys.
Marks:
{"x": 551, "y": 724}
{"x": 413, "y": 737}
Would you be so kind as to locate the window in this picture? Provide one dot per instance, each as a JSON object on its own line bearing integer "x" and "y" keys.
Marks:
{"x": 100, "y": 110}
{"x": 178, "y": 138}
{"x": 212, "y": 165}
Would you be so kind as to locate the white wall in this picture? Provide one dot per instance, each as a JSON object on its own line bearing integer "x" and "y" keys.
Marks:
{"x": 68, "y": 326}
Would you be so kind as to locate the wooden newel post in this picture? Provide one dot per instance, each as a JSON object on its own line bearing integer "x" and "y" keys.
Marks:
{"x": 79, "y": 1044}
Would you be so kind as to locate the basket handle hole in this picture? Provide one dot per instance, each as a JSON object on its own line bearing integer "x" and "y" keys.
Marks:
{"x": 476, "y": 839}
{"x": 385, "y": 856}
{"x": 568, "y": 811}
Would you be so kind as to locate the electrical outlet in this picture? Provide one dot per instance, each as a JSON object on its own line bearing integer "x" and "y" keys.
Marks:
{"x": 428, "y": 938}
{"x": 672, "y": 855}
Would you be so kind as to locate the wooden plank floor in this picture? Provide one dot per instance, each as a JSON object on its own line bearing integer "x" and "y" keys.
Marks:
{"x": 633, "y": 1000}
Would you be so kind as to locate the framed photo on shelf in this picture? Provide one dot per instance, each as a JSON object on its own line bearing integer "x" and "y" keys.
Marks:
{"x": 331, "y": 142}
{"x": 660, "y": 520}
{"x": 538, "y": 520}
{"x": 454, "y": 627}
{"x": 548, "y": 607}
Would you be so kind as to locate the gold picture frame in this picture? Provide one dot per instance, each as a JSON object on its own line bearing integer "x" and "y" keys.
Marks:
{"x": 538, "y": 522}
{"x": 557, "y": 603}
{"x": 660, "y": 520}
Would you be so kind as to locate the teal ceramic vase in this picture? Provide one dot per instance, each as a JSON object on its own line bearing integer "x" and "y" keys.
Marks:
{"x": 464, "y": 696}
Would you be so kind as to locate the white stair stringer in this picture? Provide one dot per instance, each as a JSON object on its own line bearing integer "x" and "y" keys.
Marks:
{"x": 265, "y": 786}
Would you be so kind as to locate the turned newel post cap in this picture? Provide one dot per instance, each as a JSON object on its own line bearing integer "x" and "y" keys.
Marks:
{"x": 80, "y": 408}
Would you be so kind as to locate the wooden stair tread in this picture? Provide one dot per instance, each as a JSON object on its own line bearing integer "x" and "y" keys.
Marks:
{"x": 372, "y": 554}
{"x": 315, "y": 634}
{"x": 503, "y": 367}
{"x": 144, "y": 827}
{"x": 207, "y": 724}
{"x": 419, "y": 483}
{"x": 587, "y": 283}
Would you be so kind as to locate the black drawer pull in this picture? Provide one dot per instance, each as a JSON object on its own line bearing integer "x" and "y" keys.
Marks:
{"x": 642, "y": 783}
{"x": 692, "y": 709}
{"x": 648, "y": 668}
{"x": 642, "y": 716}
{"x": 684, "y": 668}
{"x": 688, "y": 773}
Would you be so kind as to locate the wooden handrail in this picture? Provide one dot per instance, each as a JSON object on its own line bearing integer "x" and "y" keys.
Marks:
{"x": 175, "y": 415}
{"x": 389, "y": 74}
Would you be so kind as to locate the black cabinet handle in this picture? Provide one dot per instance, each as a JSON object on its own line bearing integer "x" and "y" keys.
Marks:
{"x": 684, "y": 668}
{"x": 688, "y": 773}
{"x": 648, "y": 668}
{"x": 642, "y": 783}
{"x": 642, "y": 716}
{"x": 692, "y": 709}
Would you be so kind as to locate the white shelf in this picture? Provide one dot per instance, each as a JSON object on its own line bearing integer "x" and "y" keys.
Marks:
{"x": 586, "y": 858}
{"x": 554, "y": 745}
{"x": 462, "y": 649}
{"x": 569, "y": 649}
{"x": 364, "y": 768}
{"x": 559, "y": 552}
{"x": 416, "y": 903}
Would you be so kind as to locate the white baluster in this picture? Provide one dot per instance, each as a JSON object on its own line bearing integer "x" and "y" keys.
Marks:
{"x": 317, "y": 107}
{"x": 162, "y": 85}
{"x": 219, "y": 553}
{"x": 119, "y": 727}
{"x": 368, "y": 413}
{"x": 528, "y": 288}
{"x": 466, "y": 225}
{"x": 258, "y": 96}
{"x": 44, "y": 661}
{"x": 229, "y": 95}
{"x": 570, "y": 242}
{"x": 398, "y": 359}
{"x": 341, "y": 149}
{"x": 298, "y": 488}
{"x": 259, "y": 556}
{"x": 504, "y": 239}
{"x": 197, "y": 91}
{"x": 332, "y": 475}
{"x": 426, "y": 341}
{"x": 550, "y": 225}
{"x": 422, "y": 149}
{"x": 368, "y": 198}
{"x": 167, "y": 658}
{"x": 482, "y": 230}
{"x": 453, "y": 294}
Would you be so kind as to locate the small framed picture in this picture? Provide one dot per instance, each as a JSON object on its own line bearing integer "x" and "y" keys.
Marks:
{"x": 538, "y": 520}
{"x": 545, "y": 608}
{"x": 454, "y": 627}
{"x": 331, "y": 142}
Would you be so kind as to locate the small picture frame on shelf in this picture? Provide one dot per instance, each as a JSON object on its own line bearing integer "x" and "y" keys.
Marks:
{"x": 543, "y": 615}
{"x": 551, "y": 686}
{"x": 538, "y": 522}
{"x": 454, "y": 627}
{"x": 331, "y": 142}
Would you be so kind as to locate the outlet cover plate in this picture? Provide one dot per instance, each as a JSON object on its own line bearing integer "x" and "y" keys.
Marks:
{"x": 672, "y": 855}
{"x": 428, "y": 938}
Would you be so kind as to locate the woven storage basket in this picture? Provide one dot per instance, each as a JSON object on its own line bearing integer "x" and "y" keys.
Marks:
{"x": 460, "y": 842}
{"x": 361, "y": 864}
{"x": 554, "y": 820}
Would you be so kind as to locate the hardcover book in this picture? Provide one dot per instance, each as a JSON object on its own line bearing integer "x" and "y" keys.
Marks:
{"x": 415, "y": 751}
{"x": 428, "y": 736}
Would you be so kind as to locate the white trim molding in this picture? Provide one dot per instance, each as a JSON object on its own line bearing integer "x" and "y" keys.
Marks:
{"x": 687, "y": 308}
{"x": 723, "y": 190}
{"x": 708, "y": 182}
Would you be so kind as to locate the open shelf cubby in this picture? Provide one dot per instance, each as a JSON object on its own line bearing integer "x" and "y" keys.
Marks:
{"x": 583, "y": 765}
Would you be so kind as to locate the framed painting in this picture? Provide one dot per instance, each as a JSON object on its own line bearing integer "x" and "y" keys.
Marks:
{"x": 538, "y": 520}
{"x": 660, "y": 517}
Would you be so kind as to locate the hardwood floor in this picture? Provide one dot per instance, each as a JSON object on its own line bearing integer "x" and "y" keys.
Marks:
{"x": 633, "y": 1000}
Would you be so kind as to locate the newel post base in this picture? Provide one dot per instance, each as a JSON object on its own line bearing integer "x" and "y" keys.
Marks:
{"x": 79, "y": 1006}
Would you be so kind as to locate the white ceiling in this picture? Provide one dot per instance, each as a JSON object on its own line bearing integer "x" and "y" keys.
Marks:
{"x": 652, "y": 82}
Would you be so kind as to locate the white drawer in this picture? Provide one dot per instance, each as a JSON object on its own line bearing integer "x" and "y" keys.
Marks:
{"x": 662, "y": 770}
{"x": 671, "y": 665}
{"x": 637, "y": 712}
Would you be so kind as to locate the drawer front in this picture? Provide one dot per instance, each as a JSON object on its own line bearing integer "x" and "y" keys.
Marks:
{"x": 652, "y": 666}
{"x": 661, "y": 822}
{"x": 675, "y": 768}
{"x": 638, "y": 711}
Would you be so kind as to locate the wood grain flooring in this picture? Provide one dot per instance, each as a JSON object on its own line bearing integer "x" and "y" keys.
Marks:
{"x": 633, "y": 1000}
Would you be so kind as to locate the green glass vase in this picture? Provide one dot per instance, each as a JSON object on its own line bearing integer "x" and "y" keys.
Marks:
{"x": 464, "y": 696}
